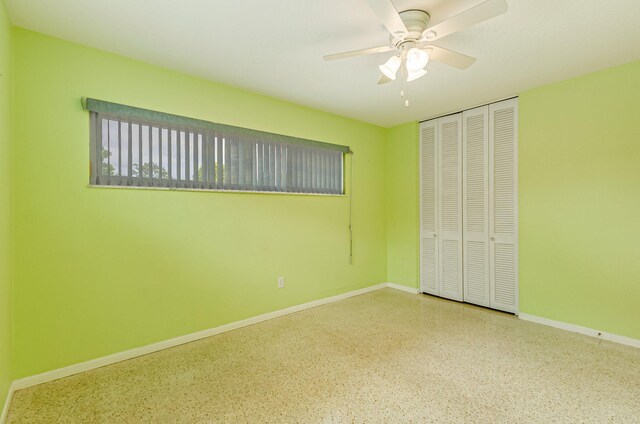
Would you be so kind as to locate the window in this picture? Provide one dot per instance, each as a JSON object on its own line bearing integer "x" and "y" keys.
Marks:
{"x": 139, "y": 147}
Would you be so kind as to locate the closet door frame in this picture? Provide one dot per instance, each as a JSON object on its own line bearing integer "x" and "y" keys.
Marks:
{"x": 437, "y": 236}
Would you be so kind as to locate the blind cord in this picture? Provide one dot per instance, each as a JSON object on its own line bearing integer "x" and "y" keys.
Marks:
{"x": 351, "y": 211}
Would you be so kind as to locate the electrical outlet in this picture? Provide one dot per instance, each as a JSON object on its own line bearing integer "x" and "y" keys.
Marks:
{"x": 280, "y": 282}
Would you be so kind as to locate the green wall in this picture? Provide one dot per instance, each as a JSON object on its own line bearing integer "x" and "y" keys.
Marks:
{"x": 5, "y": 206}
{"x": 580, "y": 201}
{"x": 403, "y": 241}
{"x": 98, "y": 270}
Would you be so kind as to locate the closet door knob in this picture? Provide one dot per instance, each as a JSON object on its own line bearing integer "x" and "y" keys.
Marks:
{"x": 493, "y": 239}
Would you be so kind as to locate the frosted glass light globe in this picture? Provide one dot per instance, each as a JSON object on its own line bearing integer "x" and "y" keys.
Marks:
{"x": 417, "y": 59}
{"x": 390, "y": 67}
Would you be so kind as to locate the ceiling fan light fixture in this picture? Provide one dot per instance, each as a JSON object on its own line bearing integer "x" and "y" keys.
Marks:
{"x": 417, "y": 59}
{"x": 415, "y": 75}
{"x": 390, "y": 67}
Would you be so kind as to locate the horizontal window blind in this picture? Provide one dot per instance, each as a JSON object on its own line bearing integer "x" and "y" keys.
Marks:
{"x": 138, "y": 147}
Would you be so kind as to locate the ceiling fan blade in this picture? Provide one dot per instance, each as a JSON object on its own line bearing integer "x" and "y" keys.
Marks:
{"x": 448, "y": 57}
{"x": 384, "y": 79}
{"x": 388, "y": 15}
{"x": 469, "y": 17}
{"x": 362, "y": 52}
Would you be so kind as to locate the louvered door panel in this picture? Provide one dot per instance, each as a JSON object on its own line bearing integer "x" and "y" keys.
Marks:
{"x": 475, "y": 201}
{"x": 428, "y": 264}
{"x": 450, "y": 206}
{"x": 504, "y": 276}
{"x": 503, "y": 204}
{"x": 428, "y": 208}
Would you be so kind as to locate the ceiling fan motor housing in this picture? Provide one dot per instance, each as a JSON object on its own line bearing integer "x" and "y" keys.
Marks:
{"x": 416, "y": 22}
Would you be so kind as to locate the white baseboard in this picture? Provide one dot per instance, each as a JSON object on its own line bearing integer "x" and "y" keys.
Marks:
{"x": 145, "y": 350}
{"x": 403, "y": 288}
{"x": 70, "y": 370}
{"x": 582, "y": 330}
{"x": 5, "y": 408}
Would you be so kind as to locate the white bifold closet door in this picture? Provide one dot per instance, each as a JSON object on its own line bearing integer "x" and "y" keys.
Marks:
{"x": 429, "y": 279}
{"x": 450, "y": 206}
{"x": 441, "y": 207}
{"x": 490, "y": 205}
{"x": 469, "y": 217}
{"x": 503, "y": 204}
{"x": 476, "y": 206}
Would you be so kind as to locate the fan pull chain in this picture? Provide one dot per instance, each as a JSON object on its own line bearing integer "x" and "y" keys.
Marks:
{"x": 404, "y": 93}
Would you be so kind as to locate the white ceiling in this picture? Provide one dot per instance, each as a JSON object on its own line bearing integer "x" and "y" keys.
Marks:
{"x": 275, "y": 47}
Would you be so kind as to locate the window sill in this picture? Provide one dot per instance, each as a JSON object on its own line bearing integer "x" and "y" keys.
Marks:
{"x": 201, "y": 190}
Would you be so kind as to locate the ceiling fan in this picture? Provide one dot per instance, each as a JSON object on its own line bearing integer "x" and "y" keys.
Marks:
{"x": 411, "y": 39}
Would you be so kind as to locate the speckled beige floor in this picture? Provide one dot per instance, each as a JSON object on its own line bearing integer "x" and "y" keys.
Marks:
{"x": 383, "y": 357}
